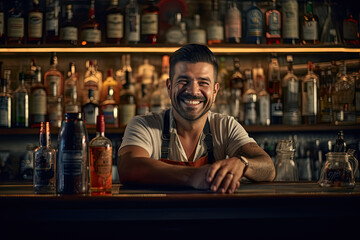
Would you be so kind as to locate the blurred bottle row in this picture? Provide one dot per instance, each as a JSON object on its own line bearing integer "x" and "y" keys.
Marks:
{"x": 130, "y": 22}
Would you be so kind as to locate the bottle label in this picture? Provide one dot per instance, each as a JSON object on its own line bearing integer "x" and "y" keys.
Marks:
{"x": 350, "y": 30}
{"x": 44, "y": 169}
{"x": 91, "y": 35}
{"x": 133, "y": 28}
{"x": 91, "y": 112}
{"x": 1, "y": 23}
{"x": 54, "y": 79}
{"x": 110, "y": 114}
{"x": 38, "y": 102}
{"x": 264, "y": 110}
{"x": 309, "y": 99}
{"x": 127, "y": 112}
{"x": 215, "y": 32}
{"x": 197, "y": 36}
{"x": 21, "y": 107}
{"x": 254, "y": 22}
{"x": 72, "y": 162}
{"x": 15, "y": 27}
{"x": 233, "y": 24}
{"x": 101, "y": 159}
{"x": 69, "y": 33}
{"x": 274, "y": 24}
{"x": 74, "y": 108}
{"x": 52, "y": 20}
{"x": 174, "y": 36}
{"x": 4, "y": 111}
{"x": 35, "y": 24}
{"x": 114, "y": 23}
{"x": 290, "y": 19}
{"x": 277, "y": 109}
{"x": 310, "y": 30}
{"x": 149, "y": 23}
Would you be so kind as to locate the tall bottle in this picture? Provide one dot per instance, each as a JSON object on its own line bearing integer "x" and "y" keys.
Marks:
{"x": 221, "y": 104}
{"x": 90, "y": 32}
{"x": 68, "y": 29}
{"x": 350, "y": 27}
{"x": 197, "y": 34}
{"x": 114, "y": 23}
{"x": 54, "y": 106}
{"x": 90, "y": 110}
{"x": 70, "y": 83}
{"x": 237, "y": 86}
{"x": 330, "y": 32}
{"x": 326, "y": 88}
{"x": 274, "y": 89}
{"x": 263, "y": 106}
{"x": 5, "y": 105}
{"x": 254, "y": 24}
{"x": 291, "y": 96}
{"x": 165, "y": 68}
{"x": 52, "y": 21}
{"x": 309, "y": 92}
{"x": 2, "y": 23}
{"x": 215, "y": 28}
{"x": 233, "y": 24}
{"x": 35, "y": 24}
{"x": 38, "y": 99}
{"x": 290, "y": 21}
{"x": 100, "y": 159}
{"x": 44, "y": 179}
{"x": 15, "y": 24}
{"x": 132, "y": 23}
{"x": 53, "y": 75}
{"x": 127, "y": 104}
{"x": 110, "y": 109}
{"x": 273, "y": 25}
{"x": 250, "y": 100}
{"x": 309, "y": 26}
{"x": 150, "y": 23}
{"x": 21, "y": 104}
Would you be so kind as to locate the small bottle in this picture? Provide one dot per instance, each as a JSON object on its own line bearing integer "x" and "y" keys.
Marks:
{"x": 197, "y": 34}
{"x": 149, "y": 23}
{"x": 143, "y": 101}
{"x": 114, "y": 23}
{"x": 72, "y": 165}
{"x": 110, "y": 81}
{"x": 110, "y": 110}
{"x": 54, "y": 106}
{"x": 127, "y": 104}
{"x": 309, "y": 96}
{"x": 290, "y": 21}
{"x": 5, "y": 105}
{"x": 90, "y": 110}
{"x": 90, "y": 30}
{"x": 68, "y": 29}
{"x": 35, "y": 24}
{"x": 38, "y": 99}
{"x": 250, "y": 99}
{"x": 233, "y": 24}
{"x": 254, "y": 24}
{"x": 44, "y": 163}
{"x": 100, "y": 159}
{"x": 273, "y": 25}
{"x": 2, "y": 23}
{"x": 215, "y": 28}
{"x": 53, "y": 75}
{"x": 21, "y": 104}
{"x": 175, "y": 34}
{"x": 340, "y": 144}
{"x": 52, "y": 21}
{"x": 15, "y": 24}
{"x": 309, "y": 26}
{"x": 132, "y": 23}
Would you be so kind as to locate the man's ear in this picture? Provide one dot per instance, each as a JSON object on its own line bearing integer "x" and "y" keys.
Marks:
{"x": 216, "y": 90}
{"x": 168, "y": 86}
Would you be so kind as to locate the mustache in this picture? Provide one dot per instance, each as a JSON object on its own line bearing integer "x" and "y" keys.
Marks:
{"x": 188, "y": 96}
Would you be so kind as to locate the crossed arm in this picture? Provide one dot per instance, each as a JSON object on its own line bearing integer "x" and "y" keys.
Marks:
{"x": 136, "y": 166}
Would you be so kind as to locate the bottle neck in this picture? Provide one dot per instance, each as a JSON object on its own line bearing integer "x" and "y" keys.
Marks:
{"x": 44, "y": 139}
{"x": 309, "y": 8}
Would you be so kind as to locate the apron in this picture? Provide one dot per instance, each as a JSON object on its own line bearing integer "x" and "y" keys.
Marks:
{"x": 207, "y": 158}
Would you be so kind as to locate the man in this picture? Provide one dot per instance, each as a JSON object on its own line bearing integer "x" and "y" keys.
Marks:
{"x": 189, "y": 145}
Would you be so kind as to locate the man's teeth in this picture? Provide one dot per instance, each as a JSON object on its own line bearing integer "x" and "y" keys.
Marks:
{"x": 191, "y": 102}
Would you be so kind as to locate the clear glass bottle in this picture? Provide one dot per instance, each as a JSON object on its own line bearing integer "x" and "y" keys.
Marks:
{"x": 215, "y": 28}
{"x": 5, "y": 105}
{"x": 274, "y": 89}
{"x": 116, "y": 86}
{"x": 101, "y": 153}
{"x": 90, "y": 110}
{"x": 309, "y": 96}
{"x": 15, "y": 24}
{"x": 330, "y": 32}
{"x": 90, "y": 32}
{"x": 35, "y": 24}
{"x": 250, "y": 99}
{"x": 53, "y": 75}
{"x": 175, "y": 35}
{"x": 286, "y": 169}
{"x": 273, "y": 25}
{"x": 290, "y": 21}
{"x": 38, "y": 99}
{"x": 114, "y": 23}
{"x": 258, "y": 77}
{"x": 72, "y": 105}
{"x": 232, "y": 23}
{"x": 263, "y": 106}
{"x": 150, "y": 23}
{"x": 221, "y": 104}
{"x": 127, "y": 104}
{"x": 44, "y": 179}
{"x": 197, "y": 34}
{"x": 326, "y": 109}
{"x": 132, "y": 23}
{"x": 21, "y": 104}
{"x": 70, "y": 83}
{"x": 68, "y": 28}
{"x": 291, "y": 96}
{"x": 165, "y": 75}
{"x": 254, "y": 24}
{"x": 54, "y": 106}
{"x": 52, "y": 21}
{"x": 309, "y": 26}
{"x": 72, "y": 165}
{"x": 92, "y": 80}
{"x": 110, "y": 109}
{"x": 237, "y": 89}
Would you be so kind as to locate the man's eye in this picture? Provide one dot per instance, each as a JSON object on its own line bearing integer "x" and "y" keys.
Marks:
{"x": 204, "y": 83}
{"x": 182, "y": 81}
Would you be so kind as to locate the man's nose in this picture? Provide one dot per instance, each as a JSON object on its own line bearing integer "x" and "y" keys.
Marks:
{"x": 192, "y": 88}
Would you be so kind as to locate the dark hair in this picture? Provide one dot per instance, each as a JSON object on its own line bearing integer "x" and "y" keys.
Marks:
{"x": 193, "y": 53}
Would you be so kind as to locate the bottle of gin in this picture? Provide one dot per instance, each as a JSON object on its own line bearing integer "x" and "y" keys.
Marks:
{"x": 21, "y": 104}
{"x": 175, "y": 34}
{"x": 263, "y": 106}
{"x": 215, "y": 28}
{"x": 38, "y": 99}
{"x": 309, "y": 96}
{"x": 54, "y": 106}
{"x": 44, "y": 163}
{"x": 52, "y": 21}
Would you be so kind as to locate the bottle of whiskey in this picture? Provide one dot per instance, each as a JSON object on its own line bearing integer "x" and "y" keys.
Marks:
{"x": 52, "y": 21}
{"x": 35, "y": 24}
{"x": 90, "y": 110}
{"x": 237, "y": 86}
{"x": 38, "y": 99}
{"x": 68, "y": 29}
{"x": 52, "y": 75}
{"x": 90, "y": 30}
{"x": 132, "y": 23}
{"x": 110, "y": 110}
{"x": 233, "y": 24}
{"x": 15, "y": 24}
{"x": 114, "y": 23}
{"x": 150, "y": 23}
{"x": 100, "y": 159}
{"x": 290, "y": 21}
{"x": 309, "y": 26}
{"x": 21, "y": 104}
{"x": 215, "y": 28}
{"x": 309, "y": 92}
{"x": 197, "y": 34}
{"x": 273, "y": 25}
{"x": 254, "y": 24}
{"x": 44, "y": 163}
{"x": 5, "y": 105}
{"x": 110, "y": 82}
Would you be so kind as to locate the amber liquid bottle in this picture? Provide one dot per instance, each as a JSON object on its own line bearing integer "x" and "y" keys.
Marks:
{"x": 35, "y": 24}
{"x": 150, "y": 23}
{"x": 90, "y": 30}
{"x": 114, "y": 23}
{"x": 15, "y": 24}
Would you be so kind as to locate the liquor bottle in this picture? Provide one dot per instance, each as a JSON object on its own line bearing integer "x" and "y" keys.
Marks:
{"x": 232, "y": 23}
{"x": 197, "y": 34}
{"x": 92, "y": 80}
{"x": 44, "y": 163}
{"x": 114, "y": 23}
{"x": 90, "y": 32}
{"x": 70, "y": 84}
{"x": 290, "y": 21}
{"x": 52, "y": 21}
{"x": 273, "y": 25}
{"x": 175, "y": 34}
{"x": 90, "y": 110}
{"x": 165, "y": 68}
{"x": 291, "y": 96}
{"x": 7, "y": 76}
{"x": 340, "y": 144}
{"x": 100, "y": 149}
{"x": 330, "y": 32}
{"x": 2, "y": 23}
{"x": 30, "y": 74}
{"x": 110, "y": 81}
{"x": 263, "y": 106}
{"x": 326, "y": 88}
{"x": 157, "y": 99}
{"x": 21, "y": 104}
{"x": 221, "y": 104}
{"x": 38, "y": 100}
{"x": 237, "y": 86}
{"x": 250, "y": 100}
{"x": 15, "y": 24}
{"x": 72, "y": 165}
{"x": 127, "y": 104}
{"x": 258, "y": 77}
{"x": 350, "y": 29}
{"x": 150, "y": 23}
{"x": 68, "y": 29}
{"x": 72, "y": 105}
{"x": 110, "y": 110}
{"x": 215, "y": 28}
{"x": 254, "y": 24}
{"x": 309, "y": 26}
{"x": 52, "y": 75}
{"x": 132, "y": 23}
{"x": 5, "y": 105}
{"x": 357, "y": 96}
{"x": 309, "y": 96}
{"x": 143, "y": 101}
{"x": 54, "y": 106}
{"x": 35, "y": 24}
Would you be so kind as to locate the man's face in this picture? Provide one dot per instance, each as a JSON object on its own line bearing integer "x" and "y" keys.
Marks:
{"x": 192, "y": 90}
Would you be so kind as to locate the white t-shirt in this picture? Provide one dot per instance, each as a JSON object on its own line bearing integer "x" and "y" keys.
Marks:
{"x": 146, "y": 131}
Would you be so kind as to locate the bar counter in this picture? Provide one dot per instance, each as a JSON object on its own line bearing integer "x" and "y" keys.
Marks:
{"x": 255, "y": 210}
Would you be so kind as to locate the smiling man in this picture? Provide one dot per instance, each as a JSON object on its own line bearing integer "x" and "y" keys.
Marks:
{"x": 188, "y": 145}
